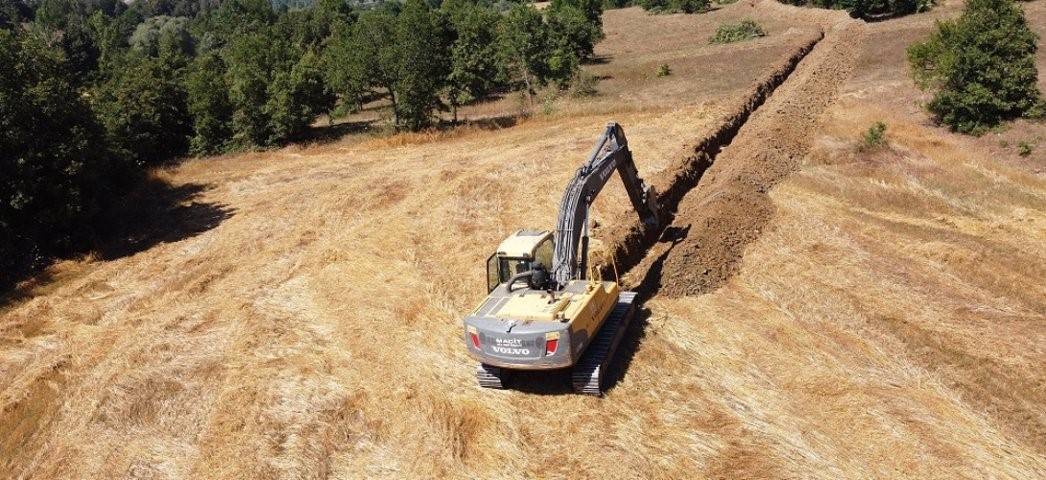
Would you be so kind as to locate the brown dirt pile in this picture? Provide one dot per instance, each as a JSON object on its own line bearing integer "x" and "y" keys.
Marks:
{"x": 730, "y": 205}
{"x": 630, "y": 240}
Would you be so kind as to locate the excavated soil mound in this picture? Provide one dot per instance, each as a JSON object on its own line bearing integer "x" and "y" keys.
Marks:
{"x": 629, "y": 240}
{"x": 730, "y": 205}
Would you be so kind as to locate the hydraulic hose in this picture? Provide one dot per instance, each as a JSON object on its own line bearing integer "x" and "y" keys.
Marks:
{"x": 517, "y": 277}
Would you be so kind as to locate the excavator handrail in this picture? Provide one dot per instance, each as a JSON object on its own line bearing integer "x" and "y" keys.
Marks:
{"x": 610, "y": 153}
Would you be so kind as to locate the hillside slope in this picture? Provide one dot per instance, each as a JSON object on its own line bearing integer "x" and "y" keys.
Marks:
{"x": 884, "y": 318}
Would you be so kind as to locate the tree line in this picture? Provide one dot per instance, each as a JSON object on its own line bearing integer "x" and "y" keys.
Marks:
{"x": 95, "y": 91}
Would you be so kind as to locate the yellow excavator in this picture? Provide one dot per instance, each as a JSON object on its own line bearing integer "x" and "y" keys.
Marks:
{"x": 543, "y": 310}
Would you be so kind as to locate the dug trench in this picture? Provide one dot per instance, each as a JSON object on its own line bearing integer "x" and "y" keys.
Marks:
{"x": 714, "y": 199}
{"x": 629, "y": 241}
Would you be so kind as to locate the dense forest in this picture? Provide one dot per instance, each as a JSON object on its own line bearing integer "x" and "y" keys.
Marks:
{"x": 94, "y": 92}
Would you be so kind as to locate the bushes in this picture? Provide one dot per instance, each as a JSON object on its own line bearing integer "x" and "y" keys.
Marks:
{"x": 736, "y": 32}
{"x": 868, "y": 8}
{"x": 674, "y": 6}
{"x": 874, "y": 138}
{"x": 981, "y": 65}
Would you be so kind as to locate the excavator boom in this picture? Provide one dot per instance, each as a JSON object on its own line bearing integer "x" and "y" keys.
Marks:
{"x": 610, "y": 153}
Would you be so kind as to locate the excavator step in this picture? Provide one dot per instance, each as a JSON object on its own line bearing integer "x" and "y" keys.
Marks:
{"x": 589, "y": 372}
{"x": 490, "y": 376}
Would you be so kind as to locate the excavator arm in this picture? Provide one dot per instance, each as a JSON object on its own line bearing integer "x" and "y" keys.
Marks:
{"x": 610, "y": 153}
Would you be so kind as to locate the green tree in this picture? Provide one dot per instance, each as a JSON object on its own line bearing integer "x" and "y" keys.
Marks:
{"x": 54, "y": 163}
{"x": 328, "y": 14}
{"x": 275, "y": 85}
{"x": 869, "y": 8}
{"x": 163, "y": 33}
{"x": 737, "y": 32}
{"x": 248, "y": 73}
{"x": 525, "y": 47}
{"x": 64, "y": 22}
{"x": 981, "y": 65}
{"x": 343, "y": 76}
{"x": 422, "y": 64}
{"x": 295, "y": 97}
{"x": 345, "y": 71}
{"x": 534, "y": 52}
{"x": 576, "y": 25}
{"x": 208, "y": 104}
{"x": 475, "y": 66}
{"x": 309, "y": 27}
{"x": 13, "y": 13}
{"x": 143, "y": 106}
{"x": 682, "y": 6}
{"x": 373, "y": 53}
{"x": 237, "y": 17}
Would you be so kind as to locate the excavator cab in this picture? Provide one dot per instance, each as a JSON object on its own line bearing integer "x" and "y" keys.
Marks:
{"x": 517, "y": 254}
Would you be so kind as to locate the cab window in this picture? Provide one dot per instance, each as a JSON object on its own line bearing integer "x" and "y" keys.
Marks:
{"x": 511, "y": 266}
{"x": 543, "y": 253}
{"x": 501, "y": 269}
{"x": 493, "y": 278}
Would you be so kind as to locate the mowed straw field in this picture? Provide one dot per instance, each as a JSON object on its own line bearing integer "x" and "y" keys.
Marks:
{"x": 887, "y": 321}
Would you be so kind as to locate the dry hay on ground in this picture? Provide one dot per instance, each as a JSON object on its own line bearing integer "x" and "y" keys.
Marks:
{"x": 886, "y": 323}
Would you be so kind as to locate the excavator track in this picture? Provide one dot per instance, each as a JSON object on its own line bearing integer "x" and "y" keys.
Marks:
{"x": 590, "y": 371}
{"x": 490, "y": 376}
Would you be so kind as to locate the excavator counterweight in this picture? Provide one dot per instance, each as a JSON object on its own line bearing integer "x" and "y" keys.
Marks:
{"x": 542, "y": 312}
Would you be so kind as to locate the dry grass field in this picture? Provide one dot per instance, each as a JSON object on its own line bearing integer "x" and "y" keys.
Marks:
{"x": 884, "y": 318}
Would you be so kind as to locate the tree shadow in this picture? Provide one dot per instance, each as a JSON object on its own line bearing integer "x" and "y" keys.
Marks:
{"x": 332, "y": 133}
{"x": 597, "y": 60}
{"x": 492, "y": 123}
{"x": 880, "y": 17}
{"x": 154, "y": 212}
{"x": 157, "y": 212}
{"x": 18, "y": 284}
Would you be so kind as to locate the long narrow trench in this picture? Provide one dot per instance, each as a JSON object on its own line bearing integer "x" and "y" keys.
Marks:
{"x": 630, "y": 240}
{"x": 716, "y": 198}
